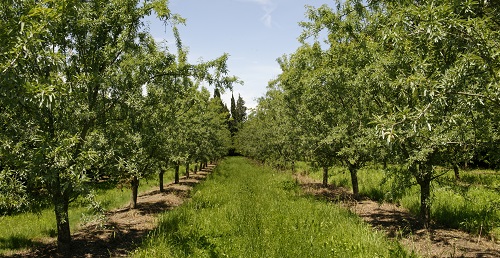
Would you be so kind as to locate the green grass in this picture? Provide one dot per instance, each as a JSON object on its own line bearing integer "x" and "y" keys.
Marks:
{"x": 246, "y": 210}
{"x": 370, "y": 180}
{"x": 471, "y": 204}
{"x": 22, "y": 231}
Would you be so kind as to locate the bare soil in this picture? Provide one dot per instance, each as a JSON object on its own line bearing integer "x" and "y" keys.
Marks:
{"x": 400, "y": 225}
{"x": 123, "y": 230}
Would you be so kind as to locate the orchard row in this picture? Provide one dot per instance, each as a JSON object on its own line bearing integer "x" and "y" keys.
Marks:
{"x": 414, "y": 85}
{"x": 86, "y": 94}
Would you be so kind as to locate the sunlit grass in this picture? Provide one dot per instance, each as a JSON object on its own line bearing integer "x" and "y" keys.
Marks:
{"x": 252, "y": 211}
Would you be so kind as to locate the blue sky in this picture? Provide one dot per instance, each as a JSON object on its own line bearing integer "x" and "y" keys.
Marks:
{"x": 253, "y": 32}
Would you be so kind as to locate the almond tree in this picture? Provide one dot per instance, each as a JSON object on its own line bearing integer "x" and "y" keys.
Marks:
{"x": 307, "y": 104}
{"x": 164, "y": 116}
{"x": 57, "y": 64}
{"x": 267, "y": 135}
{"x": 343, "y": 101}
{"x": 212, "y": 138}
{"x": 440, "y": 67}
{"x": 132, "y": 136}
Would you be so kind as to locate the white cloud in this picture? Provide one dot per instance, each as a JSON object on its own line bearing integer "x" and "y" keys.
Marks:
{"x": 256, "y": 77}
{"x": 260, "y": 2}
{"x": 267, "y": 19}
{"x": 268, "y": 6}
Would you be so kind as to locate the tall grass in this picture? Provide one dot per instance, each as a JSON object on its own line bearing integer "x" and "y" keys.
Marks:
{"x": 22, "y": 231}
{"x": 471, "y": 204}
{"x": 249, "y": 211}
{"x": 476, "y": 210}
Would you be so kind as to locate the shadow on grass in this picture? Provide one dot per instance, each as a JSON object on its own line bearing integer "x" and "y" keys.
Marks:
{"x": 16, "y": 242}
{"x": 189, "y": 183}
{"x": 113, "y": 239}
{"x": 440, "y": 241}
{"x": 395, "y": 222}
{"x": 120, "y": 243}
{"x": 183, "y": 241}
{"x": 108, "y": 240}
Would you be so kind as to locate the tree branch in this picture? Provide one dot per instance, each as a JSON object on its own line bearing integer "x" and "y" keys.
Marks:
{"x": 495, "y": 101}
{"x": 440, "y": 175}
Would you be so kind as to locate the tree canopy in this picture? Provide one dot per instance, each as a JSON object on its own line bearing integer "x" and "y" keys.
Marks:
{"x": 86, "y": 92}
{"x": 414, "y": 83}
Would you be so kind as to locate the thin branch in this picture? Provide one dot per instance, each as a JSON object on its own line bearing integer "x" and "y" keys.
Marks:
{"x": 169, "y": 74}
{"x": 432, "y": 178}
{"x": 495, "y": 101}
{"x": 424, "y": 111}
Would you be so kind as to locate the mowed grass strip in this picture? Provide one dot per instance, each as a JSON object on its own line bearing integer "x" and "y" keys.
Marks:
{"x": 245, "y": 210}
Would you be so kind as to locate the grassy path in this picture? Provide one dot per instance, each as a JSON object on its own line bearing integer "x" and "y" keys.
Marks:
{"x": 249, "y": 211}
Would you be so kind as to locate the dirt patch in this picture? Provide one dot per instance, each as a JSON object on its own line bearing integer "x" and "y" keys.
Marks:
{"x": 399, "y": 224}
{"x": 123, "y": 230}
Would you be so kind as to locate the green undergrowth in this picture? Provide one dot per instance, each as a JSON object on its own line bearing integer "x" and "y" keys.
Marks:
{"x": 25, "y": 230}
{"x": 471, "y": 204}
{"x": 246, "y": 210}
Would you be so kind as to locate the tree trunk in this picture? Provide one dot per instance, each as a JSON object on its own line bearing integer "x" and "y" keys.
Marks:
{"x": 61, "y": 204}
{"x": 176, "y": 174}
{"x": 187, "y": 170}
{"x": 201, "y": 166}
{"x": 325, "y": 176}
{"x": 160, "y": 177}
{"x": 293, "y": 166}
{"x": 353, "y": 170}
{"x": 135, "y": 189}
{"x": 425, "y": 206}
{"x": 195, "y": 168}
{"x": 424, "y": 180}
{"x": 457, "y": 172}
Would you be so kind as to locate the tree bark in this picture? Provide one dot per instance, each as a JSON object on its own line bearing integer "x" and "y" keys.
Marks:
{"x": 457, "y": 172}
{"x": 353, "y": 170}
{"x": 187, "y": 170}
{"x": 424, "y": 180}
{"x": 425, "y": 207}
{"x": 325, "y": 176}
{"x": 61, "y": 204}
{"x": 293, "y": 166}
{"x": 195, "y": 168}
{"x": 176, "y": 174}
{"x": 160, "y": 177}
{"x": 135, "y": 189}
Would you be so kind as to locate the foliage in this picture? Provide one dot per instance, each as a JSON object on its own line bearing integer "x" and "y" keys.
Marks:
{"x": 436, "y": 71}
{"x": 268, "y": 134}
{"x": 61, "y": 91}
{"x": 238, "y": 114}
{"x": 412, "y": 83}
{"x": 73, "y": 76}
